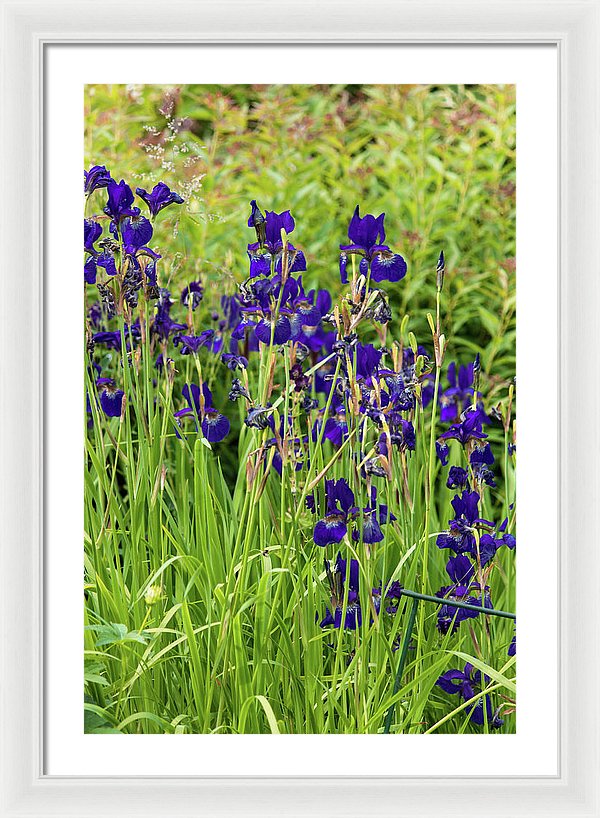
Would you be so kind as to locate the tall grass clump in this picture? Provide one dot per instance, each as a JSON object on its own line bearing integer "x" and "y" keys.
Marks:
{"x": 299, "y": 504}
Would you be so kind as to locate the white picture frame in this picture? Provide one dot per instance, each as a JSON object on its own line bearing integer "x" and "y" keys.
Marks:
{"x": 27, "y": 28}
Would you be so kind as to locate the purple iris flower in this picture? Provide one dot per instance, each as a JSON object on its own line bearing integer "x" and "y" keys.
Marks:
{"x": 506, "y": 539}
{"x": 467, "y": 684}
{"x": 136, "y": 232}
{"x": 215, "y": 426}
{"x": 275, "y": 223}
{"x": 337, "y": 578}
{"x": 89, "y": 270}
{"x": 373, "y": 517}
{"x": 111, "y": 398}
{"x": 296, "y": 309}
{"x": 238, "y": 390}
{"x": 239, "y": 331}
{"x": 371, "y": 530}
{"x": 280, "y": 330}
{"x": 367, "y": 362}
{"x": 459, "y": 396}
{"x": 95, "y": 314}
{"x": 481, "y": 458}
{"x": 512, "y": 648}
{"x": 162, "y": 196}
{"x": 161, "y": 362}
{"x": 490, "y": 543}
{"x": 192, "y": 295}
{"x": 442, "y": 451}
{"x": 230, "y": 306}
{"x": 268, "y": 229}
{"x": 260, "y": 265}
{"x": 97, "y": 176}
{"x": 409, "y": 377}
{"x": 469, "y": 428}
{"x": 333, "y": 527}
{"x": 323, "y": 301}
{"x": 92, "y": 231}
{"x": 107, "y": 261}
{"x": 306, "y": 314}
{"x": 196, "y": 400}
{"x": 307, "y": 325}
{"x": 401, "y": 394}
{"x": 460, "y": 569}
{"x": 162, "y": 325}
{"x": 464, "y": 589}
{"x": 461, "y": 536}
{"x": 234, "y": 362}
{"x": 457, "y": 478}
{"x": 324, "y": 379}
{"x": 394, "y": 593}
{"x": 484, "y": 475}
{"x": 450, "y": 617}
{"x": 120, "y": 199}
{"x": 403, "y": 435}
{"x": 190, "y": 344}
{"x": 488, "y": 546}
{"x": 112, "y": 340}
{"x": 367, "y": 234}
{"x": 336, "y": 426}
{"x": 367, "y": 237}
{"x": 296, "y": 260}
{"x": 259, "y": 417}
{"x": 481, "y": 454}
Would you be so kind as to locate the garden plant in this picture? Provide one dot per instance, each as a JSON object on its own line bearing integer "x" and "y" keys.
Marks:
{"x": 300, "y": 444}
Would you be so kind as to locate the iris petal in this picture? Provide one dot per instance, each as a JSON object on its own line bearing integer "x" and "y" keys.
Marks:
{"x": 215, "y": 427}
{"x": 330, "y": 530}
{"x": 388, "y": 269}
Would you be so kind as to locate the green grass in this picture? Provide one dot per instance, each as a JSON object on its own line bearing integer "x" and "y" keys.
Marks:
{"x": 203, "y": 586}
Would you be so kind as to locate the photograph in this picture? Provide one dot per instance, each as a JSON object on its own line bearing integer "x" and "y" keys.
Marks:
{"x": 299, "y": 409}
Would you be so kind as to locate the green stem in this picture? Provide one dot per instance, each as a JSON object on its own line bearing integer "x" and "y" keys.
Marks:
{"x": 403, "y": 654}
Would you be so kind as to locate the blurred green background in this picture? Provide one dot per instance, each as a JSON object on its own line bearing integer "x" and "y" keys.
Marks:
{"x": 438, "y": 160}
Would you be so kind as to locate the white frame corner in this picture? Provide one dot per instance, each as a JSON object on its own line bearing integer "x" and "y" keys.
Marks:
{"x": 26, "y": 28}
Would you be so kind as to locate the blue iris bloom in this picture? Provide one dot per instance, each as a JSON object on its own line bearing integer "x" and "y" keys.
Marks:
{"x": 160, "y": 197}
{"x": 467, "y": 683}
{"x": 97, "y": 176}
{"x": 192, "y": 295}
{"x": 468, "y": 429}
{"x": 190, "y": 344}
{"x": 269, "y": 245}
{"x": 120, "y": 199}
{"x": 367, "y": 237}
{"x": 338, "y": 577}
{"x": 215, "y": 426}
{"x": 339, "y": 500}
{"x": 111, "y": 398}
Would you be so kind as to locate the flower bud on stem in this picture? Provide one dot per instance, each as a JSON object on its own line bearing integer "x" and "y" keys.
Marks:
{"x": 440, "y": 272}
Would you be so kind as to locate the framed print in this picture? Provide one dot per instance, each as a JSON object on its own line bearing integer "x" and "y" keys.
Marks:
{"x": 314, "y": 261}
